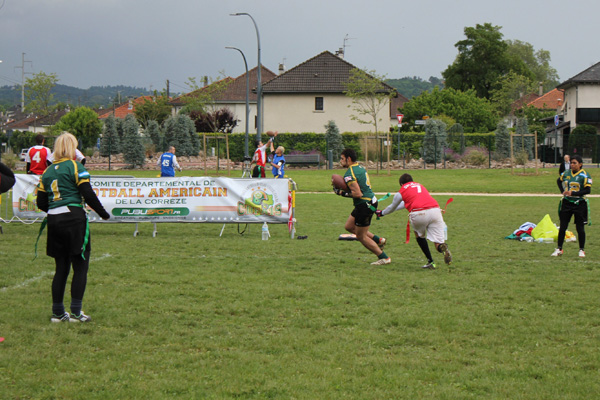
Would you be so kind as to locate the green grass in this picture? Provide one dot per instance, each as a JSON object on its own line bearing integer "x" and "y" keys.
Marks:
{"x": 189, "y": 314}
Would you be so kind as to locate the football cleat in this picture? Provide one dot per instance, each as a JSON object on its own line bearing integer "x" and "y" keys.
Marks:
{"x": 382, "y": 261}
{"x": 581, "y": 254}
{"x": 447, "y": 256}
{"x": 60, "y": 318}
{"x": 557, "y": 252}
{"x": 429, "y": 266}
{"x": 80, "y": 318}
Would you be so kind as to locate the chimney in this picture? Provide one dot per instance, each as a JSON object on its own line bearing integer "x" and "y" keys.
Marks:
{"x": 281, "y": 68}
{"x": 541, "y": 89}
{"x": 340, "y": 53}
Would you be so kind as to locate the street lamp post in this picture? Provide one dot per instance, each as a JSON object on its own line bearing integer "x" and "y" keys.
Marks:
{"x": 246, "y": 172}
{"x": 259, "y": 83}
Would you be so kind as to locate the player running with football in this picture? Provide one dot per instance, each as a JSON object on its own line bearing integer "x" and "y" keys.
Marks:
{"x": 425, "y": 217}
{"x": 365, "y": 205}
{"x": 574, "y": 184}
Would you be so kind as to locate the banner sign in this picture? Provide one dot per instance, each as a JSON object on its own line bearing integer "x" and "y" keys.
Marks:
{"x": 180, "y": 199}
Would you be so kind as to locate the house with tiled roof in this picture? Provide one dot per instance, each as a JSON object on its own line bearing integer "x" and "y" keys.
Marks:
{"x": 552, "y": 100}
{"x": 124, "y": 109}
{"x": 306, "y": 97}
{"x": 233, "y": 97}
{"x": 34, "y": 123}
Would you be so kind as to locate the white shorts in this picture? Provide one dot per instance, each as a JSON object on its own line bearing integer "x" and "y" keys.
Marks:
{"x": 428, "y": 222}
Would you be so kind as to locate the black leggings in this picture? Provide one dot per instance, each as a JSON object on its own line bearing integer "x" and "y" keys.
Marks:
{"x": 63, "y": 267}
{"x": 565, "y": 217}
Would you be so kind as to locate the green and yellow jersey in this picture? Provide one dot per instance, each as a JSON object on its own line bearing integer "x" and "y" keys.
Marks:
{"x": 358, "y": 174}
{"x": 61, "y": 180}
{"x": 575, "y": 182}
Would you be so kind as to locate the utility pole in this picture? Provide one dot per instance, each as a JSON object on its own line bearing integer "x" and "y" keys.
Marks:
{"x": 167, "y": 89}
{"x": 22, "y": 67}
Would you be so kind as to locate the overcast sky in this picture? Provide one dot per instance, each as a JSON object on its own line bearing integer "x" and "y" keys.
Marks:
{"x": 145, "y": 42}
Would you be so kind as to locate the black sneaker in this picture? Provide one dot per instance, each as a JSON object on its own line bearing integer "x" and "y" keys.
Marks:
{"x": 60, "y": 318}
{"x": 80, "y": 318}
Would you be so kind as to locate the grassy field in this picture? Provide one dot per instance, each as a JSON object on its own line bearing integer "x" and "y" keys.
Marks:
{"x": 192, "y": 315}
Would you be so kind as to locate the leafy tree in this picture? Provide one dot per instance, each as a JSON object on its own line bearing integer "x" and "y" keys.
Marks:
{"x": 334, "y": 139}
{"x": 538, "y": 62}
{"x": 157, "y": 137}
{"x": 414, "y": 86}
{"x": 473, "y": 113}
{"x": 179, "y": 132}
{"x": 157, "y": 109}
{"x": 434, "y": 141}
{"x": 83, "y": 123}
{"x": 38, "y": 95}
{"x": 221, "y": 120}
{"x": 110, "y": 143}
{"x": 369, "y": 96}
{"x": 502, "y": 140}
{"x": 202, "y": 98}
{"x": 508, "y": 89}
{"x": 482, "y": 59}
{"x": 133, "y": 148}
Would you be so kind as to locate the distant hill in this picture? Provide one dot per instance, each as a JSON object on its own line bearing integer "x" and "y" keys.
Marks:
{"x": 410, "y": 87}
{"x": 93, "y": 97}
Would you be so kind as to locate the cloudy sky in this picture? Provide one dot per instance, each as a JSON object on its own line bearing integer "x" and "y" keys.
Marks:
{"x": 145, "y": 42}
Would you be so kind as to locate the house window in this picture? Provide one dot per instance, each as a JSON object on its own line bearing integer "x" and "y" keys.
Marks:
{"x": 318, "y": 104}
{"x": 588, "y": 115}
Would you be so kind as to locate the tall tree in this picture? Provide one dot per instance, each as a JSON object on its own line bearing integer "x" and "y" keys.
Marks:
{"x": 538, "y": 63}
{"x": 83, "y": 123}
{"x": 509, "y": 88}
{"x": 434, "y": 141}
{"x": 133, "y": 148}
{"x": 155, "y": 109}
{"x": 157, "y": 137}
{"x": 334, "y": 139}
{"x": 110, "y": 143}
{"x": 38, "y": 93}
{"x": 202, "y": 98}
{"x": 369, "y": 96}
{"x": 502, "y": 140}
{"x": 482, "y": 59}
{"x": 179, "y": 132}
{"x": 473, "y": 113}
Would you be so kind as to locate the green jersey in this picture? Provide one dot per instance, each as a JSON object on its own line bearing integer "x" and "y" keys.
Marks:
{"x": 575, "y": 182}
{"x": 61, "y": 181}
{"x": 358, "y": 174}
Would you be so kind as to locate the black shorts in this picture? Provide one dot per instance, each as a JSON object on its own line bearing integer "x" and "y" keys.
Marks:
{"x": 579, "y": 210}
{"x": 363, "y": 213}
{"x": 258, "y": 172}
{"x": 66, "y": 233}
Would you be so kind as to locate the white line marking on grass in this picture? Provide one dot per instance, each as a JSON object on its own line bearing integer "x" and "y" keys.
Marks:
{"x": 27, "y": 282}
{"x": 103, "y": 256}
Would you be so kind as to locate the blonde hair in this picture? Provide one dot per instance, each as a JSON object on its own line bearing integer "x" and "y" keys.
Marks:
{"x": 64, "y": 146}
{"x": 280, "y": 148}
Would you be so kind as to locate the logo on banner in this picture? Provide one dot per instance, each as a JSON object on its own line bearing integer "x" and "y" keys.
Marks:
{"x": 150, "y": 212}
{"x": 259, "y": 200}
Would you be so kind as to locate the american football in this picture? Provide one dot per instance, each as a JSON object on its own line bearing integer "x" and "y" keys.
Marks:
{"x": 337, "y": 181}
{"x": 271, "y": 133}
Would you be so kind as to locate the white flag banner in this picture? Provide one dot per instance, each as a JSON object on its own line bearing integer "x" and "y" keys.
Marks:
{"x": 180, "y": 199}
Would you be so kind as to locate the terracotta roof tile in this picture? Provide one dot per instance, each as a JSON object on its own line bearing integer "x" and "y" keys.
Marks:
{"x": 124, "y": 109}
{"x": 549, "y": 101}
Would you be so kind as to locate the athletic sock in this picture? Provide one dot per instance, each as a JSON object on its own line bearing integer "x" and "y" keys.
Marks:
{"x": 76, "y": 306}
{"x": 58, "y": 308}
{"x": 425, "y": 248}
{"x": 382, "y": 255}
{"x": 376, "y": 239}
